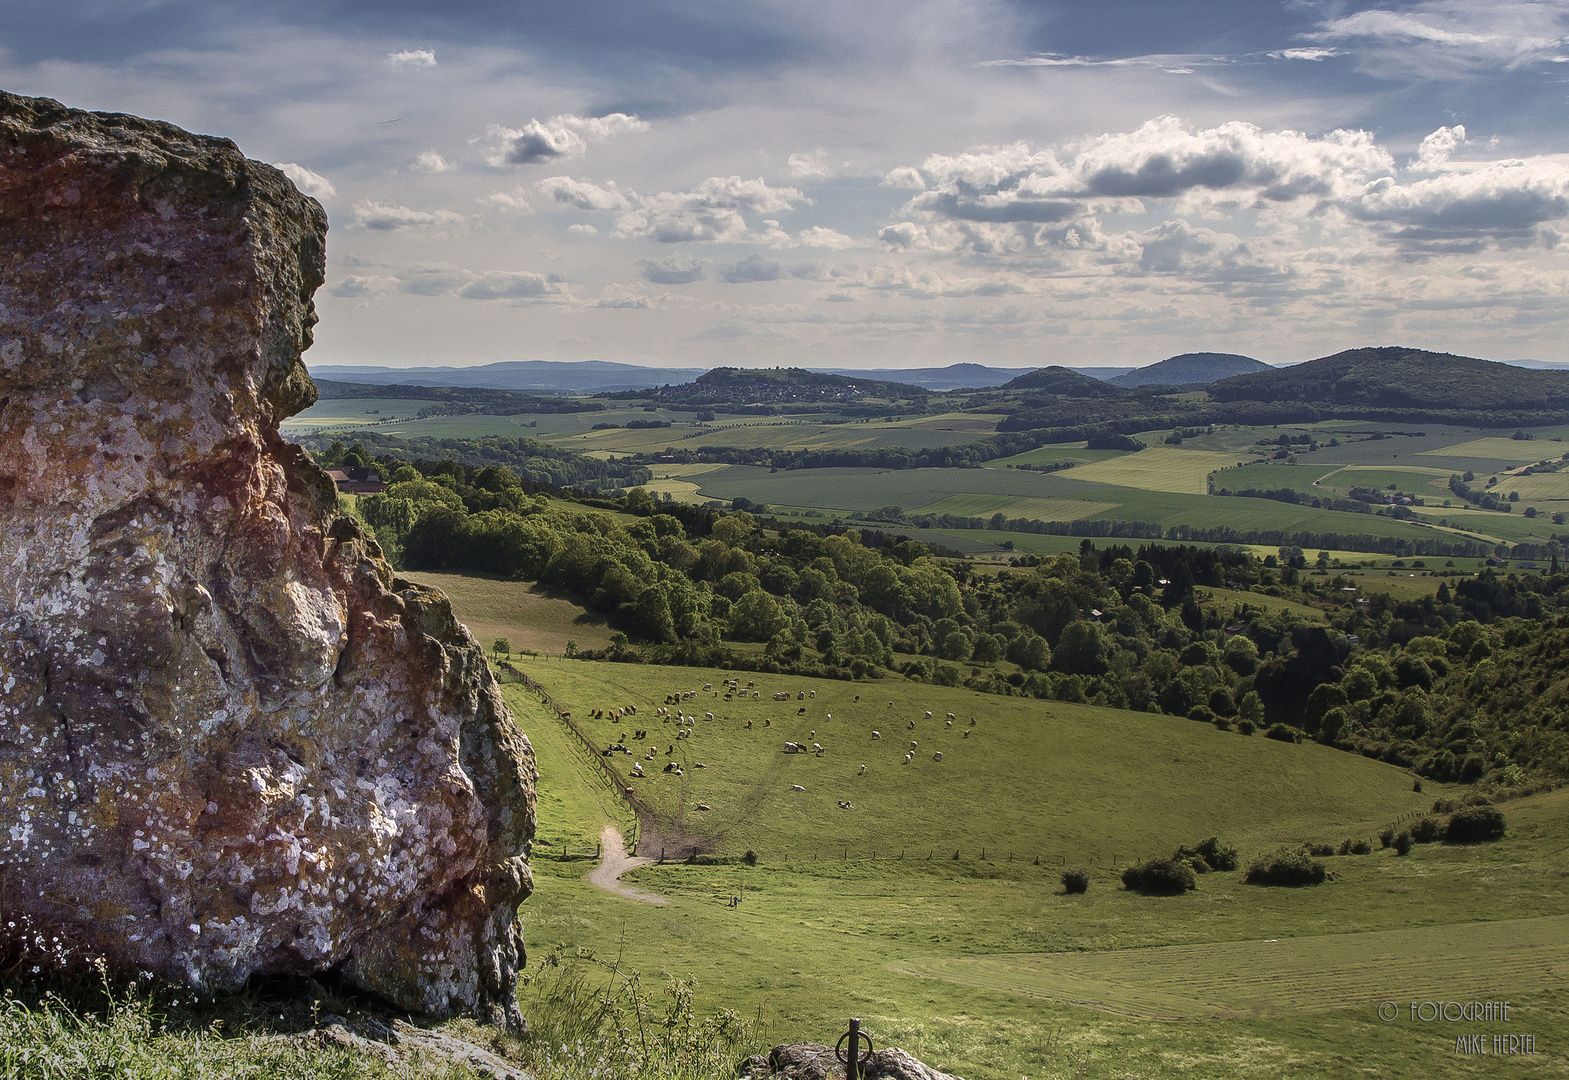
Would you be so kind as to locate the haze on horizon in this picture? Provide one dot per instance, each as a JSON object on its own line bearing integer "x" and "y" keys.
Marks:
{"x": 874, "y": 183}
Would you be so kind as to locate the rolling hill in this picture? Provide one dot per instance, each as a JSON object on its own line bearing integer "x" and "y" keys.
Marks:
{"x": 1192, "y": 370}
{"x": 1063, "y": 382}
{"x": 1409, "y": 379}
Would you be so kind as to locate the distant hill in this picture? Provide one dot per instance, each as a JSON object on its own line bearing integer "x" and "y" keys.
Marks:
{"x": 1413, "y": 379}
{"x": 1063, "y": 382}
{"x": 1192, "y": 369}
{"x": 952, "y": 377}
{"x": 539, "y": 376}
{"x": 780, "y": 386}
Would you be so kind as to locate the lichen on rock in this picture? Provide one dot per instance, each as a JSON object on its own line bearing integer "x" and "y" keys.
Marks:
{"x": 232, "y": 742}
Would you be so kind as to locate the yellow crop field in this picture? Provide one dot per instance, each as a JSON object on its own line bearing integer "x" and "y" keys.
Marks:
{"x": 1158, "y": 468}
{"x": 1538, "y": 487}
{"x": 1499, "y": 449}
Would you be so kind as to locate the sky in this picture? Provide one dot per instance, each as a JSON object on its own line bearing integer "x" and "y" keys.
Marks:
{"x": 878, "y": 183}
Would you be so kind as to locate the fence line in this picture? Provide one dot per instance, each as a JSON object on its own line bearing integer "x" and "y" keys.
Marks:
{"x": 640, "y": 809}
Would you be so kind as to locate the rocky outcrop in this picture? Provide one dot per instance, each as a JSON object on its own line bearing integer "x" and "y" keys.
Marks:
{"x": 231, "y": 742}
{"x": 814, "y": 1061}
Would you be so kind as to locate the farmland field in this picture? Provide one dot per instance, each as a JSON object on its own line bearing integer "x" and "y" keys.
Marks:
{"x": 1157, "y": 468}
{"x": 518, "y": 611}
{"x": 351, "y": 412}
{"x": 1015, "y": 506}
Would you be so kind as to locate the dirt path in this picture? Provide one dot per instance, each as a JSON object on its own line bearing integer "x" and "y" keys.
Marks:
{"x": 614, "y": 863}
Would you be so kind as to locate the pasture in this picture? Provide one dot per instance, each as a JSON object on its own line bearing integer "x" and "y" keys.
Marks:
{"x": 1158, "y": 468}
{"x": 350, "y": 413}
{"x": 982, "y": 966}
{"x": 527, "y": 616}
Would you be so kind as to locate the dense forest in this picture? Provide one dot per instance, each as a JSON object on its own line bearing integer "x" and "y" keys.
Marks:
{"x": 1471, "y": 684}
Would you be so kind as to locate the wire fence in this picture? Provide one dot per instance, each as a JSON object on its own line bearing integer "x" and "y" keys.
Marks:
{"x": 616, "y": 783}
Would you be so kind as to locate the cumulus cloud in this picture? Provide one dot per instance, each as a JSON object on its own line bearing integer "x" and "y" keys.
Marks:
{"x": 713, "y": 212}
{"x": 432, "y": 162}
{"x": 581, "y": 229}
{"x": 387, "y": 218}
{"x": 624, "y": 301}
{"x": 564, "y": 136}
{"x": 671, "y": 271}
{"x": 1501, "y": 204}
{"x": 1176, "y": 247}
{"x": 752, "y": 268}
{"x": 516, "y": 285}
{"x": 360, "y": 286}
{"x": 1439, "y": 147}
{"x": 905, "y": 176}
{"x": 313, "y": 184}
{"x": 444, "y": 279}
{"x": 583, "y": 195}
{"x": 412, "y": 58}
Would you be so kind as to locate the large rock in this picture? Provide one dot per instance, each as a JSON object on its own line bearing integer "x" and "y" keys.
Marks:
{"x": 814, "y": 1061}
{"x": 231, "y": 741}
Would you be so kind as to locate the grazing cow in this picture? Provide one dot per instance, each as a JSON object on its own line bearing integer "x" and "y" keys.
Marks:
{"x": 928, "y": 714}
{"x": 818, "y": 748}
{"x": 913, "y": 744}
{"x": 949, "y": 724}
{"x": 801, "y": 711}
{"x": 912, "y": 725}
{"x": 937, "y": 756}
{"x": 877, "y": 734}
{"x": 972, "y": 721}
{"x": 890, "y": 704}
{"x": 708, "y": 686}
{"x": 796, "y": 787}
{"x": 862, "y": 772}
{"x": 966, "y": 733}
{"x": 768, "y": 723}
{"x": 700, "y": 765}
{"x": 703, "y": 806}
{"x": 708, "y": 716}
{"x": 749, "y": 725}
{"x": 814, "y": 693}
{"x": 830, "y": 716}
{"x": 950, "y": 716}
{"x": 908, "y": 758}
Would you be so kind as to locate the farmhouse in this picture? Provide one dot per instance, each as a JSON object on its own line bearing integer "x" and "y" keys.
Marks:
{"x": 356, "y": 480}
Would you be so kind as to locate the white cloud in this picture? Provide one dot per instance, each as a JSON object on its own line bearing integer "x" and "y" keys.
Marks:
{"x": 564, "y": 136}
{"x": 412, "y": 58}
{"x": 357, "y": 286}
{"x": 508, "y": 202}
{"x": 313, "y": 184}
{"x": 431, "y": 162}
{"x": 752, "y": 268}
{"x": 625, "y": 301}
{"x": 1501, "y": 204}
{"x": 517, "y": 285}
{"x": 713, "y": 212}
{"x": 386, "y": 218}
{"x": 812, "y": 166}
{"x": 1447, "y": 39}
{"x": 905, "y": 176}
{"x": 671, "y": 271}
{"x": 582, "y": 230}
{"x": 1313, "y": 54}
{"x": 583, "y": 195}
{"x": 1439, "y": 147}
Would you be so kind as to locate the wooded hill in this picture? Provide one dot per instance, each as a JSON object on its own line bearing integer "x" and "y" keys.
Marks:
{"x": 1404, "y": 379}
{"x": 1193, "y": 369}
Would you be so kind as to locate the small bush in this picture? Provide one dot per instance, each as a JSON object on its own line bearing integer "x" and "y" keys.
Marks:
{"x": 1319, "y": 850}
{"x": 1443, "y": 806}
{"x": 1403, "y": 844}
{"x": 1075, "y": 881}
{"x": 1426, "y": 831}
{"x": 1283, "y": 733}
{"x": 1207, "y": 855}
{"x": 1201, "y": 713}
{"x": 1361, "y": 847}
{"x": 1222, "y": 722}
{"x": 1159, "y": 877}
{"x": 1474, "y": 825}
{"x": 1292, "y": 869}
{"x": 1246, "y": 727}
{"x": 1387, "y": 837}
{"x": 750, "y": 858}
{"x": 1416, "y": 786}
{"x": 1345, "y": 846}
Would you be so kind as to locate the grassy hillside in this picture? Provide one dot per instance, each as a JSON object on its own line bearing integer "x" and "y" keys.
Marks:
{"x": 1063, "y": 382}
{"x": 1072, "y": 781}
{"x": 1191, "y": 369}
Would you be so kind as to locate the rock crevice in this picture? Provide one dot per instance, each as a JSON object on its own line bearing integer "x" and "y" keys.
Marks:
{"x": 232, "y": 742}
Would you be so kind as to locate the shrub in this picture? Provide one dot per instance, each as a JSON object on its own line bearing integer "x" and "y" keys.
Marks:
{"x": 1426, "y": 831}
{"x": 1223, "y": 723}
{"x": 1201, "y": 713}
{"x": 1444, "y": 806}
{"x": 1361, "y": 847}
{"x": 1159, "y": 877}
{"x": 1075, "y": 881}
{"x": 1387, "y": 837}
{"x": 1206, "y": 856}
{"x": 1403, "y": 844}
{"x": 1319, "y": 850}
{"x": 1246, "y": 727}
{"x": 1292, "y": 869}
{"x": 750, "y": 858}
{"x": 1474, "y": 825}
{"x": 1284, "y": 733}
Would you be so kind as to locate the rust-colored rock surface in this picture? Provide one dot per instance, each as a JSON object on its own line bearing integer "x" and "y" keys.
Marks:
{"x": 231, "y": 741}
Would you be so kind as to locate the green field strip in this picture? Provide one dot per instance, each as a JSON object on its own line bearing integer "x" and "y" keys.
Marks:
{"x": 1468, "y": 961}
{"x": 1495, "y": 448}
{"x": 1016, "y": 507}
{"x": 1159, "y": 468}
